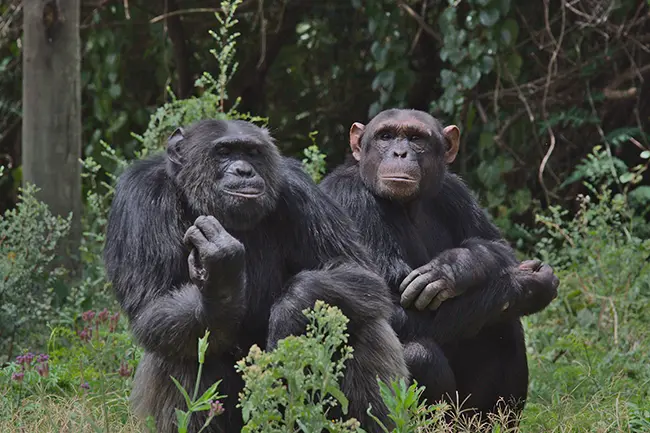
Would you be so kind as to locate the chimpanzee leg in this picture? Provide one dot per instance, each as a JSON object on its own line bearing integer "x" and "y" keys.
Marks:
{"x": 429, "y": 365}
{"x": 155, "y": 394}
{"x": 363, "y": 297}
{"x": 492, "y": 366}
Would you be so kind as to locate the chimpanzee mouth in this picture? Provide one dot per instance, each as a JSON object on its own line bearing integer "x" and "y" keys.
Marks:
{"x": 245, "y": 192}
{"x": 399, "y": 178}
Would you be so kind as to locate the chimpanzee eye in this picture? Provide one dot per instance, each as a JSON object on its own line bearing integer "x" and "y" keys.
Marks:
{"x": 386, "y": 136}
{"x": 223, "y": 150}
{"x": 414, "y": 137}
{"x": 253, "y": 151}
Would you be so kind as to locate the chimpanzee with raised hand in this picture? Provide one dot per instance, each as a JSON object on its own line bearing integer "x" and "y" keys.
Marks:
{"x": 222, "y": 233}
{"x": 460, "y": 286}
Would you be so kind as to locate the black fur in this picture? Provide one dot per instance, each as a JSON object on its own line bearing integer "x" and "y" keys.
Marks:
{"x": 246, "y": 275}
{"x": 472, "y": 343}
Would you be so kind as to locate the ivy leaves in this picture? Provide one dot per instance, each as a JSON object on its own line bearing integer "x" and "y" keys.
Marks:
{"x": 486, "y": 38}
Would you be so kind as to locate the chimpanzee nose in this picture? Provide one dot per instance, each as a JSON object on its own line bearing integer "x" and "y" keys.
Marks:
{"x": 400, "y": 153}
{"x": 242, "y": 169}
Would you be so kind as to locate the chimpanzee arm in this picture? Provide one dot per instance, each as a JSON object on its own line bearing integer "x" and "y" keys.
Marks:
{"x": 481, "y": 256}
{"x": 522, "y": 290}
{"x": 168, "y": 304}
{"x": 482, "y": 262}
{"x": 347, "y": 189}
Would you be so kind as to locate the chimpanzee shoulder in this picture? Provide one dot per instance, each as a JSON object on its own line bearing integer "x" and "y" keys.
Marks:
{"x": 459, "y": 206}
{"x": 145, "y": 212}
{"x": 315, "y": 216}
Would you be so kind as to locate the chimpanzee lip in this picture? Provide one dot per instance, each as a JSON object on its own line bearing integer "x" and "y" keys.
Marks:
{"x": 399, "y": 178}
{"x": 245, "y": 192}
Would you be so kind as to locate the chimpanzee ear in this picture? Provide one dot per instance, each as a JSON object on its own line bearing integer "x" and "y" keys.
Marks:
{"x": 173, "y": 147}
{"x": 356, "y": 132}
{"x": 452, "y": 134}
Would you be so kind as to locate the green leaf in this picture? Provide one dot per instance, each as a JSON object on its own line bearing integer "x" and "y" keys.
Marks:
{"x": 645, "y": 154}
{"x": 504, "y": 6}
{"x": 208, "y": 395}
{"x": 485, "y": 141}
{"x": 487, "y": 64}
{"x": 342, "y": 399}
{"x": 446, "y": 78}
{"x": 471, "y": 77}
{"x": 509, "y": 31}
{"x": 489, "y": 17}
{"x": 640, "y": 195}
{"x": 181, "y": 419}
{"x": 182, "y": 390}
{"x": 513, "y": 63}
{"x": 626, "y": 177}
{"x": 475, "y": 49}
{"x": 447, "y": 20}
{"x": 521, "y": 200}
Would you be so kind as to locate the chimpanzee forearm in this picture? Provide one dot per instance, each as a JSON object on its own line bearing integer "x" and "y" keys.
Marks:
{"x": 514, "y": 294}
{"x": 464, "y": 316}
{"x": 172, "y": 324}
{"x": 477, "y": 261}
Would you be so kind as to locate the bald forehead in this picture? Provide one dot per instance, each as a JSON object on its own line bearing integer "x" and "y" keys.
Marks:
{"x": 398, "y": 119}
{"x": 214, "y": 129}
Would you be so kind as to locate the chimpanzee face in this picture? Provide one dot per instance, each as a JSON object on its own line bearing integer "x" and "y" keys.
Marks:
{"x": 402, "y": 153}
{"x": 228, "y": 169}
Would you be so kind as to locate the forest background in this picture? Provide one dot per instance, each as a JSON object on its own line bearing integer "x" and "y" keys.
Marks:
{"x": 552, "y": 99}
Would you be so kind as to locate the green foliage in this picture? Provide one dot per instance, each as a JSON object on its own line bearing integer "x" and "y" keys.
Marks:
{"x": 388, "y": 52}
{"x": 293, "y": 387}
{"x": 93, "y": 359}
{"x": 210, "y": 103}
{"x": 208, "y": 402}
{"x": 484, "y": 41}
{"x": 589, "y": 349}
{"x": 407, "y": 409}
{"x": 314, "y": 161}
{"x": 29, "y": 235}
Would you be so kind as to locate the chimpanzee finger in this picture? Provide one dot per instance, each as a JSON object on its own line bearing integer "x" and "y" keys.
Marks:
{"x": 431, "y": 291}
{"x": 443, "y": 296}
{"x": 547, "y": 271}
{"x": 210, "y": 226}
{"x": 424, "y": 269}
{"x": 530, "y": 265}
{"x": 197, "y": 271}
{"x": 414, "y": 289}
{"x": 195, "y": 238}
{"x": 410, "y": 277}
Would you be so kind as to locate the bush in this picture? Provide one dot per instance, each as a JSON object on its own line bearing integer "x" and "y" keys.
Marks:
{"x": 29, "y": 283}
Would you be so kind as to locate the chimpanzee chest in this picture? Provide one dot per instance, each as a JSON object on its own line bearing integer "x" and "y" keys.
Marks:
{"x": 425, "y": 238}
{"x": 265, "y": 278}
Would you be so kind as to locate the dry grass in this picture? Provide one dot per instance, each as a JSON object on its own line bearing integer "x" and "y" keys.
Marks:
{"x": 69, "y": 415}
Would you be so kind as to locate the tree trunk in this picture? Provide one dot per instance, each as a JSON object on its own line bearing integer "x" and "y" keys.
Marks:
{"x": 51, "y": 131}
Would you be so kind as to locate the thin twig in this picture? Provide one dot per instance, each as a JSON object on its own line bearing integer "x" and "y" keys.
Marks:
{"x": 260, "y": 62}
{"x": 426, "y": 27}
{"x": 127, "y": 12}
{"x": 549, "y": 73}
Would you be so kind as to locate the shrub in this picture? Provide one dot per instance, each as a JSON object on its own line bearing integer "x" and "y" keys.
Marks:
{"x": 29, "y": 283}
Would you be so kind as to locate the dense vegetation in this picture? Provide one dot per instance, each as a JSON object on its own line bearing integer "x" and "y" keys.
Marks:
{"x": 552, "y": 99}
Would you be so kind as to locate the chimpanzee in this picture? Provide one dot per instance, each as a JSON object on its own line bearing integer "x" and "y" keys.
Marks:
{"x": 461, "y": 287}
{"x": 222, "y": 233}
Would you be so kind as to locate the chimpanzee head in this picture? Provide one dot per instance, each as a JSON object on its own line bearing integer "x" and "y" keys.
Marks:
{"x": 403, "y": 154}
{"x": 226, "y": 168}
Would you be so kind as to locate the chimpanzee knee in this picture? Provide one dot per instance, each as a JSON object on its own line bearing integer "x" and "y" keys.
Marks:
{"x": 361, "y": 295}
{"x": 428, "y": 364}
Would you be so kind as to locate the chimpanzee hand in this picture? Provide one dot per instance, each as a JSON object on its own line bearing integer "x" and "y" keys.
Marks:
{"x": 215, "y": 253}
{"x": 538, "y": 284}
{"x": 428, "y": 286}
